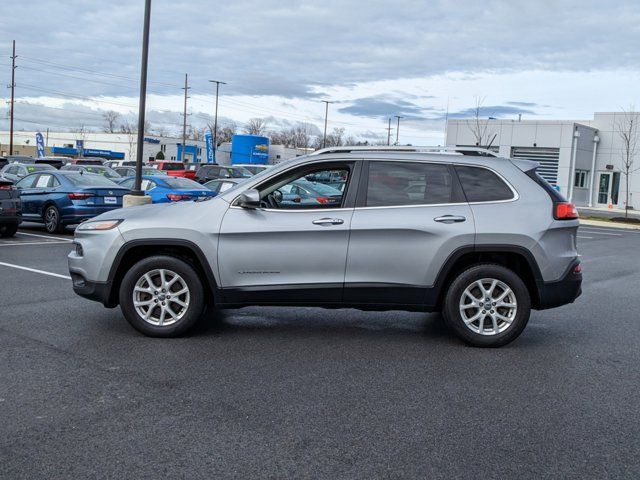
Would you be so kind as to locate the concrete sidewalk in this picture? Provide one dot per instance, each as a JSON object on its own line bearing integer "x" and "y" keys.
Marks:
{"x": 607, "y": 224}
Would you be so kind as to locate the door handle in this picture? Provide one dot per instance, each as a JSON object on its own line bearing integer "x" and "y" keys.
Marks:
{"x": 450, "y": 219}
{"x": 328, "y": 221}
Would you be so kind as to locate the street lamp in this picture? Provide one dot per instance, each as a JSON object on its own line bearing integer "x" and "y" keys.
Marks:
{"x": 398, "y": 128}
{"x": 326, "y": 115}
{"x": 215, "y": 119}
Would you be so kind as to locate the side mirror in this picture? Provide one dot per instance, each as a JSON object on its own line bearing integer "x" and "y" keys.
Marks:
{"x": 249, "y": 199}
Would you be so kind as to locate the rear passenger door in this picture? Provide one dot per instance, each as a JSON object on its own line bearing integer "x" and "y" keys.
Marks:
{"x": 409, "y": 218}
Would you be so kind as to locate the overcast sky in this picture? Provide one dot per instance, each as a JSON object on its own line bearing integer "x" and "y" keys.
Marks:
{"x": 374, "y": 59}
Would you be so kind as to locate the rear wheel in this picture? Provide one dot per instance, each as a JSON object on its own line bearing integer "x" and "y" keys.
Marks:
{"x": 162, "y": 296}
{"x": 487, "y": 305}
{"x": 8, "y": 230}
{"x": 52, "y": 221}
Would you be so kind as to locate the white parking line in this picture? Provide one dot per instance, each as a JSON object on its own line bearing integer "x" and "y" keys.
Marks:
{"x": 44, "y": 236}
{"x": 34, "y": 270}
{"x": 11, "y": 244}
{"x": 583, "y": 237}
{"x": 596, "y": 232}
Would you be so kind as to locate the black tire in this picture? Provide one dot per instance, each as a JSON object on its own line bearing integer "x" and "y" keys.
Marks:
{"x": 52, "y": 221}
{"x": 189, "y": 276}
{"x": 8, "y": 230}
{"x": 454, "y": 318}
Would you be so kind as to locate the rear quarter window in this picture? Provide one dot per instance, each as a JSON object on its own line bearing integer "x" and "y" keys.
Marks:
{"x": 482, "y": 185}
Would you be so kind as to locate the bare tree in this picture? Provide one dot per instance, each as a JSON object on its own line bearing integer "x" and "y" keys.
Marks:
{"x": 334, "y": 139}
{"x": 131, "y": 133}
{"x": 627, "y": 129}
{"x": 110, "y": 121}
{"x": 478, "y": 126}
{"x": 256, "y": 126}
{"x": 224, "y": 133}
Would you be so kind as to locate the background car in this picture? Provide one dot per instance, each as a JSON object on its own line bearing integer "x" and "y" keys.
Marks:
{"x": 10, "y": 208}
{"x": 174, "y": 169}
{"x": 166, "y": 189}
{"x": 56, "y": 162}
{"x": 87, "y": 161}
{"x": 253, "y": 167}
{"x": 62, "y": 197}
{"x": 119, "y": 163}
{"x": 97, "y": 169}
{"x": 131, "y": 171}
{"x": 213, "y": 172}
{"x": 16, "y": 171}
{"x": 223, "y": 184}
{"x": 304, "y": 193}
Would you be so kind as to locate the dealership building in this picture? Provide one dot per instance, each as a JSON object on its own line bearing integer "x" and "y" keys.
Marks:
{"x": 582, "y": 158}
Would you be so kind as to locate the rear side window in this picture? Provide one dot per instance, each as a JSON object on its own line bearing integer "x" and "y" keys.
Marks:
{"x": 482, "y": 185}
{"x": 408, "y": 183}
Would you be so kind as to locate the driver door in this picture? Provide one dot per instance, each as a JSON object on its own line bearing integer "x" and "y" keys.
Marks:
{"x": 285, "y": 252}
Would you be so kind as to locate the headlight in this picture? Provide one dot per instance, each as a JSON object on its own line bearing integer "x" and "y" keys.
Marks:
{"x": 99, "y": 225}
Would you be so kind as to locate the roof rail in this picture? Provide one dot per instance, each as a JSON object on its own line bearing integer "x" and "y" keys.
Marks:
{"x": 477, "y": 151}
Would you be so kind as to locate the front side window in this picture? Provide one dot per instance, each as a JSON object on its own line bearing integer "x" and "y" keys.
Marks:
{"x": 482, "y": 185}
{"x": 408, "y": 183}
{"x": 292, "y": 191}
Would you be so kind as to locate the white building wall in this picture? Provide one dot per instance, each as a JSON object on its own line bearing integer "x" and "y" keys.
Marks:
{"x": 560, "y": 134}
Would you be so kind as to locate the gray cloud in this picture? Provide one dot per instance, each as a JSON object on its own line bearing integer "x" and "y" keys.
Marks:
{"x": 384, "y": 106}
{"x": 497, "y": 111}
{"x": 295, "y": 48}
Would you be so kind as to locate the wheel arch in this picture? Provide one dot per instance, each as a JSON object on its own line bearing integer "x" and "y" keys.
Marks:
{"x": 516, "y": 258}
{"x": 134, "y": 251}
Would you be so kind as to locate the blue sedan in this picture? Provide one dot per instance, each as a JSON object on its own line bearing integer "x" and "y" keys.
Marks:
{"x": 165, "y": 189}
{"x": 58, "y": 198}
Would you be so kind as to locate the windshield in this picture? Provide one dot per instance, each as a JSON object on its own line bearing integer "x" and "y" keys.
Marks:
{"x": 39, "y": 167}
{"x": 173, "y": 166}
{"x": 106, "y": 171}
{"x": 180, "y": 183}
{"x": 90, "y": 180}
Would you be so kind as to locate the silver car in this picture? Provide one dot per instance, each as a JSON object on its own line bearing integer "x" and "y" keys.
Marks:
{"x": 486, "y": 241}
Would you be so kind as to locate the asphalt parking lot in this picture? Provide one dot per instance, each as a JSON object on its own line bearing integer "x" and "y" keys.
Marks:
{"x": 312, "y": 393}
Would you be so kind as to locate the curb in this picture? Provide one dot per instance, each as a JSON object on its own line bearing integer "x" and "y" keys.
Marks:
{"x": 597, "y": 223}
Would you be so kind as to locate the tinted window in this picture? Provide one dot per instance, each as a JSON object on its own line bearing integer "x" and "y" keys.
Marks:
{"x": 172, "y": 166}
{"x": 90, "y": 180}
{"x": 128, "y": 183}
{"x": 482, "y": 185}
{"x": 405, "y": 183}
{"x": 182, "y": 183}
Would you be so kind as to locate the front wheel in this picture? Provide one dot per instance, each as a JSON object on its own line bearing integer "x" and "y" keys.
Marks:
{"x": 162, "y": 296}
{"x": 487, "y": 305}
{"x": 8, "y": 230}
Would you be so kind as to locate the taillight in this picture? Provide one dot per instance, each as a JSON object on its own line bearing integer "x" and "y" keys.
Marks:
{"x": 6, "y": 187}
{"x": 175, "y": 197}
{"x": 565, "y": 211}
{"x": 577, "y": 268}
{"x": 80, "y": 195}
{"x": 323, "y": 200}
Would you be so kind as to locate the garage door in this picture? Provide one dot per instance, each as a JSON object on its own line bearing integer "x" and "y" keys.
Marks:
{"x": 546, "y": 157}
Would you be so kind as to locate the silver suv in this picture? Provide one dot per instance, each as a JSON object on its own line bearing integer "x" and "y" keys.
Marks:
{"x": 480, "y": 238}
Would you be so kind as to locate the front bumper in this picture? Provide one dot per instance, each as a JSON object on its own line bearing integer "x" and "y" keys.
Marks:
{"x": 563, "y": 291}
{"x": 96, "y": 291}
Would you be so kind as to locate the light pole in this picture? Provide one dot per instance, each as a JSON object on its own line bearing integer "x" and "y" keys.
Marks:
{"x": 398, "y": 128}
{"x": 137, "y": 187}
{"x": 326, "y": 115}
{"x": 215, "y": 119}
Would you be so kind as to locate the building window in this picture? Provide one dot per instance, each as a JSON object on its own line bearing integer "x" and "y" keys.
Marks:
{"x": 581, "y": 178}
{"x": 173, "y": 158}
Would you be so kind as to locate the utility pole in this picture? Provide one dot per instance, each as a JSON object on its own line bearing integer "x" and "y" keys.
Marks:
{"x": 13, "y": 88}
{"x": 137, "y": 196}
{"x": 326, "y": 115}
{"x": 215, "y": 119}
{"x": 389, "y": 133}
{"x": 184, "y": 122}
{"x": 398, "y": 128}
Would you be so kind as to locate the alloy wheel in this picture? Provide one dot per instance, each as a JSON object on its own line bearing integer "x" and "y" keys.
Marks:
{"x": 488, "y": 306}
{"x": 161, "y": 297}
{"x": 51, "y": 219}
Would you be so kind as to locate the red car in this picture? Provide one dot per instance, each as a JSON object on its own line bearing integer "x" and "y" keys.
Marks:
{"x": 173, "y": 169}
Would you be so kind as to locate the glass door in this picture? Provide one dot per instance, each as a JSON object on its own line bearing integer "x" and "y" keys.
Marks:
{"x": 604, "y": 188}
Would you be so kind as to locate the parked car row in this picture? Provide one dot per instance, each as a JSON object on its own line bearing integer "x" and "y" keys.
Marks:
{"x": 58, "y": 192}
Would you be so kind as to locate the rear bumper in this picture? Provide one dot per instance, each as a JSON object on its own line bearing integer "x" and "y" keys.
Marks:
{"x": 561, "y": 292}
{"x": 10, "y": 219}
